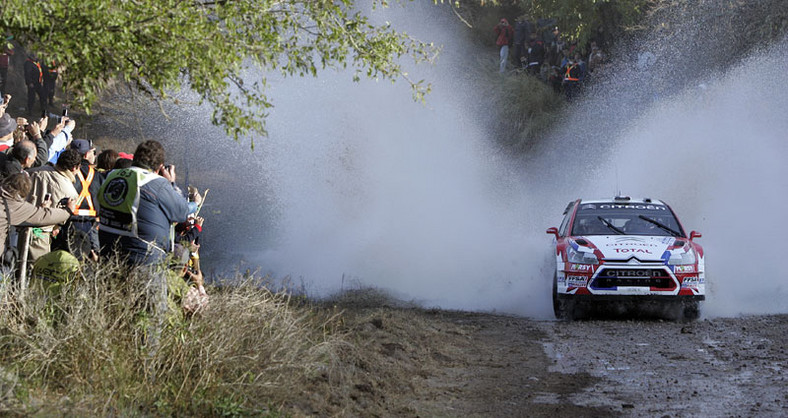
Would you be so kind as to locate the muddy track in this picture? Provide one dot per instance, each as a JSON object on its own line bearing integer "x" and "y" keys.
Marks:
{"x": 440, "y": 363}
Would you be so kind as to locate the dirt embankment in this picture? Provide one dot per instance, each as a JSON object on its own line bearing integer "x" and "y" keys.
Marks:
{"x": 436, "y": 363}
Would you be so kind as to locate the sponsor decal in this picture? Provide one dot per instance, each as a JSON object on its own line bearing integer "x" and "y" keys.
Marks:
{"x": 632, "y": 250}
{"x": 631, "y": 244}
{"x": 608, "y": 206}
{"x": 689, "y": 268}
{"x": 116, "y": 190}
{"x": 639, "y": 207}
{"x": 691, "y": 282}
{"x": 634, "y": 273}
{"x": 580, "y": 267}
{"x": 576, "y": 281}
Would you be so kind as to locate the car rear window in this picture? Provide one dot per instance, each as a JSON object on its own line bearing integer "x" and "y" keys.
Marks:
{"x": 628, "y": 219}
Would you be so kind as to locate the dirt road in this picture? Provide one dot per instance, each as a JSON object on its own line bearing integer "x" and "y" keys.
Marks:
{"x": 438, "y": 363}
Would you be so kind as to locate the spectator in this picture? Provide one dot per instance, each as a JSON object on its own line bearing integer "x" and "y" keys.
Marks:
{"x": 60, "y": 138}
{"x": 106, "y": 160}
{"x": 522, "y": 32}
{"x": 535, "y": 55}
{"x": 5, "y": 55}
{"x": 504, "y": 34}
{"x": 572, "y": 77}
{"x": 122, "y": 163}
{"x": 80, "y": 234}
{"x": 554, "y": 45}
{"x": 34, "y": 132}
{"x": 57, "y": 181}
{"x": 7, "y": 127}
{"x": 596, "y": 58}
{"x": 34, "y": 79}
{"x": 21, "y": 157}
{"x": 50, "y": 80}
{"x": 13, "y": 191}
{"x": 138, "y": 205}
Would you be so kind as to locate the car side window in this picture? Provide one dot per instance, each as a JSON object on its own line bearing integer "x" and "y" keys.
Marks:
{"x": 567, "y": 216}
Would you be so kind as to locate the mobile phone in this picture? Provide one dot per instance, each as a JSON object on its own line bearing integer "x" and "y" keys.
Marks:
{"x": 48, "y": 196}
{"x": 65, "y": 113}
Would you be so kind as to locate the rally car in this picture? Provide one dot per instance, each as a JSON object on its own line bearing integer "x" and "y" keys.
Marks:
{"x": 626, "y": 252}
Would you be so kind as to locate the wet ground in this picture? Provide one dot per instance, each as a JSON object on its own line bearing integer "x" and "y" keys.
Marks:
{"x": 456, "y": 364}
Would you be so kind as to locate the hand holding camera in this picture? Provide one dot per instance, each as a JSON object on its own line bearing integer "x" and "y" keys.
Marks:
{"x": 168, "y": 172}
{"x": 68, "y": 204}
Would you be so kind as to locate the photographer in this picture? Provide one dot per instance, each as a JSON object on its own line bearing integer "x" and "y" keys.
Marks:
{"x": 137, "y": 205}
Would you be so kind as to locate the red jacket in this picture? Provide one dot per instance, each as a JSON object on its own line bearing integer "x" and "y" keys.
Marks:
{"x": 505, "y": 33}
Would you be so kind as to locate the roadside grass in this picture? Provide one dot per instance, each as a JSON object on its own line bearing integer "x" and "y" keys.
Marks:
{"x": 99, "y": 347}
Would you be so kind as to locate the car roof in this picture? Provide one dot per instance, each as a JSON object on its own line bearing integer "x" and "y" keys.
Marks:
{"x": 624, "y": 200}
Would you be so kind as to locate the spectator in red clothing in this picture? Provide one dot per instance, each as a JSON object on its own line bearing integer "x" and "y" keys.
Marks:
{"x": 504, "y": 34}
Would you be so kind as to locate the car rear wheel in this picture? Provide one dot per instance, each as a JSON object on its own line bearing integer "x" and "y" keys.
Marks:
{"x": 691, "y": 310}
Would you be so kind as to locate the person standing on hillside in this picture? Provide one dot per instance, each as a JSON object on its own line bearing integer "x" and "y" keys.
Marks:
{"x": 34, "y": 79}
{"x": 5, "y": 55}
{"x": 535, "y": 55}
{"x": 522, "y": 32}
{"x": 504, "y": 35}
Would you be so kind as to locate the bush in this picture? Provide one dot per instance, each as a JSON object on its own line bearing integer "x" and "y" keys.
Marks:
{"x": 99, "y": 346}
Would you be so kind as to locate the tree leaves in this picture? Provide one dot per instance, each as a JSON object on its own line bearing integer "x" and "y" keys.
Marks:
{"x": 159, "y": 46}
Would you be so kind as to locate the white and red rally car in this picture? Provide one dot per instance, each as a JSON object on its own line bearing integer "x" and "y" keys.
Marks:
{"x": 625, "y": 251}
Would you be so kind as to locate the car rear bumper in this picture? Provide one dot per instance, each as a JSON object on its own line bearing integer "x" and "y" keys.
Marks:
{"x": 632, "y": 298}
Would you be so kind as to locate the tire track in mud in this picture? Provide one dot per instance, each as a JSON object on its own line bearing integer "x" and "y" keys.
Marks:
{"x": 709, "y": 368}
{"x": 457, "y": 364}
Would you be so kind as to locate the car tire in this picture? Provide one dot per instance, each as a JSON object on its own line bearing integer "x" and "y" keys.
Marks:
{"x": 562, "y": 309}
{"x": 691, "y": 311}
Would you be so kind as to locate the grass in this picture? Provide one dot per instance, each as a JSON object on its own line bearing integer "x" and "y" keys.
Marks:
{"x": 98, "y": 346}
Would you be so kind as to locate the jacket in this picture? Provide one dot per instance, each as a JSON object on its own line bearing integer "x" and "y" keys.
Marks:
{"x": 26, "y": 214}
{"x": 93, "y": 188}
{"x": 48, "y": 179}
{"x": 158, "y": 203}
{"x": 504, "y": 34}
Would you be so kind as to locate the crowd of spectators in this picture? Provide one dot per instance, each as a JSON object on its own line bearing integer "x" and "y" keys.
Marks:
{"x": 540, "y": 50}
{"x": 61, "y": 196}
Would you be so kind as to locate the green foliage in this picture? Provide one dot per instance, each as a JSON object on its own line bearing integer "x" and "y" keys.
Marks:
{"x": 158, "y": 46}
{"x": 580, "y": 20}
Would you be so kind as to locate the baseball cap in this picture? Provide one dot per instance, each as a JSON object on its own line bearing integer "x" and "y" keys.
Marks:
{"x": 82, "y": 145}
{"x": 7, "y": 125}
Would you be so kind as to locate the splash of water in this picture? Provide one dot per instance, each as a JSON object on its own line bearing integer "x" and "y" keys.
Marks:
{"x": 357, "y": 185}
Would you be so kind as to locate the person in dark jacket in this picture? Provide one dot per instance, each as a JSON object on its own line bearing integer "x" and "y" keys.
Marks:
{"x": 21, "y": 156}
{"x": 137, "y": 206}
{"x": 522, "y": 32}
{"x": 34, "y": 79}
{"x": 535, "y": 55}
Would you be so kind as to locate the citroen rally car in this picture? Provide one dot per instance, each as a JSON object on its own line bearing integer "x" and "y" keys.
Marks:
{"x": 626, "y": 251}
